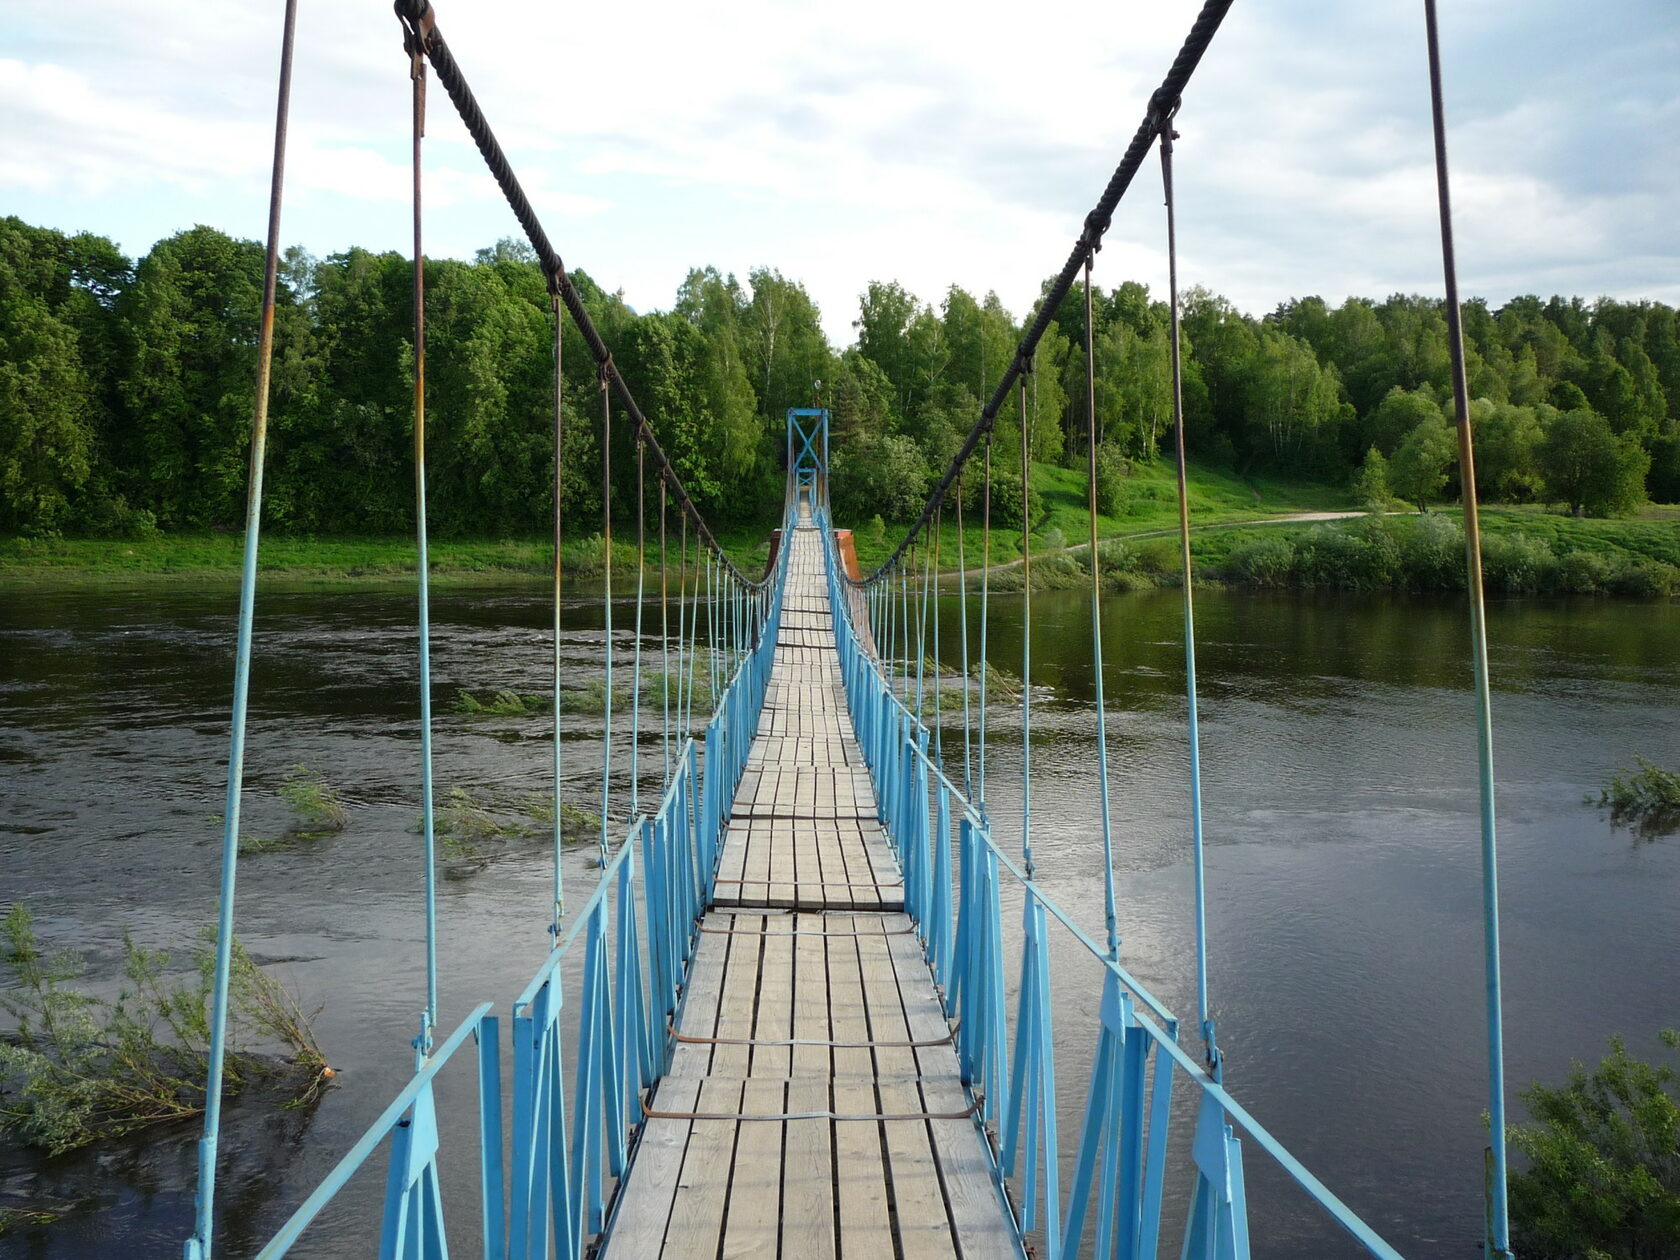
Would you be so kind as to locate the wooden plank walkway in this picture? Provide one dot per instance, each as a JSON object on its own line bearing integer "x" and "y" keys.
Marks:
{"x": 813, "y": 1108}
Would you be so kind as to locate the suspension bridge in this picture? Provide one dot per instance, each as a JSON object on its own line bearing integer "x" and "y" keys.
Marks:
{"x": 793, "y": 1027}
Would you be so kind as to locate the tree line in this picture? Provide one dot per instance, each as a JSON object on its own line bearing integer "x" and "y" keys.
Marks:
{"x": 126, "y": 391}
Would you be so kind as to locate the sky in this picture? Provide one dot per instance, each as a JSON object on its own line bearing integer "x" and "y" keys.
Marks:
{"x": 930, "y": 143}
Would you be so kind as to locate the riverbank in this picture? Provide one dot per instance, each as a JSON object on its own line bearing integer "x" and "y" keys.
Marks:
{"x": 1149, "y": 503}
{"x": 213, "y": 558}
{"x": 1524, "y": 551}
{"x": 1245, "y": 533}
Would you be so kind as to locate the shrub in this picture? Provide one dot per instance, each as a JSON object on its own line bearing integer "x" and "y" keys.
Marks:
{"x": 1359, "y": 559}
{"x": 1432, "y": 554}
{"x": 1263, "y": 561}
{"x": 1647, "y": 579}
{"x": 1648, "y": 798}
{"x": 1112, "y": 474}
{"x": 316, "y": 805}
{"x": 1603, "y": 1180}
{"x": 1006, "y": 501}
{"x": 1581, "y": 573}
{"x": 79, "y": 1069}
{"x": 1516, "y": 563}
{"x": 1159, "y": 557}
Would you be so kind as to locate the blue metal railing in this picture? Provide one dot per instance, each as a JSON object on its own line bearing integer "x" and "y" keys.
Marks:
{"x": 572, "y": 1126}
{"x": 952, "y": 889}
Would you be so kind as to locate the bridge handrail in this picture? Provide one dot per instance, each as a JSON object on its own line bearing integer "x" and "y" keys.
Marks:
{"x": 364, "y": 1146}
{"x": 894, "y": 721}
{"x": 622, "y": 1053}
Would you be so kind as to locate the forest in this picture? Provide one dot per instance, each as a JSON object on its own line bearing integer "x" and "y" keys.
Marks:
{"x": 126, "y": 392}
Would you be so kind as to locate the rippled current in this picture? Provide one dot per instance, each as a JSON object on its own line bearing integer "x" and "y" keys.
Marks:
{"x": 1343, "y": 870}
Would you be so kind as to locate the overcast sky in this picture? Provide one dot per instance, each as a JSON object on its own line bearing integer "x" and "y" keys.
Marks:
{"x": 931, "y": 143}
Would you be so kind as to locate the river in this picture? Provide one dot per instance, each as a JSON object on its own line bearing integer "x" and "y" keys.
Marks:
{"x": 1343, "y": 868}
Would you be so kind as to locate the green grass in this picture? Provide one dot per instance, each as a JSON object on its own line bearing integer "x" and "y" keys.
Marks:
{"x": 1647, "y": 799}
{"x": 1216, "y": 495}
{"x": 217, "y": 558}
{"x": 1654, "y": 534}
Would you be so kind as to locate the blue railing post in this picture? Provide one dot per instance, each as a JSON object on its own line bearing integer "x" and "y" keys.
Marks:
{"x": 413, "y": 1227}
{"x": 491, "y": 1176}
{"x": 1218, "y": 1228}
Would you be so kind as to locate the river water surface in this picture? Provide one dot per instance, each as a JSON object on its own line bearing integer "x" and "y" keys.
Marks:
{"x": 1343, "y": 869}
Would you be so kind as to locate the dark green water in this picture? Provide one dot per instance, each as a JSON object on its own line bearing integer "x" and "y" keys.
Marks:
{"x": 1344, "y": 895}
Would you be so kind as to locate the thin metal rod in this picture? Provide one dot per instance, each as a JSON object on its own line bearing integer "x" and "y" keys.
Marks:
{"x": 607, "y": 610}
{"x": 1109, "y": 913}
{"x": 1498, "y": 1208}
{"x": 204, "y": 1206}
{"x": 423, "y": 1043}
{"x": 1026, "y": 635}
{"x": 665, "y": 626}
{"x": 1196, "y": 841}
{"x": 559, "y": 778}
{"x": 985, "y": 621}
{"x": 938, "y": 655}
{"x": 636, "y": 671}
{"x": 962, "y": 593}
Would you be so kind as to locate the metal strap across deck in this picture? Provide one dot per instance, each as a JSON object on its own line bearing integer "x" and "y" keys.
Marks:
{"x": 813, "y": 1107}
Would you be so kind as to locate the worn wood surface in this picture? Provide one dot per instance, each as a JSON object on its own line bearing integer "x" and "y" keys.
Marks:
{"x": 809, "y": 1006}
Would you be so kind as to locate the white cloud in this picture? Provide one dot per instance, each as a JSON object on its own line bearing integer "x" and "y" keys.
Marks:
{"x": 932, "y": 143}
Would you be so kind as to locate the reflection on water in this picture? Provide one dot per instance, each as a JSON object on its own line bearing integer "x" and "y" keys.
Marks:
{"x": 1339, "y": 769}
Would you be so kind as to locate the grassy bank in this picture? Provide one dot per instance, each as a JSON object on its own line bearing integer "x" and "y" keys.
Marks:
{"x": 1524, "y": 552}
{"x": 1244, "y": 535}
{"x": 216, "y": 558}
{"x": 1150, "y": 502}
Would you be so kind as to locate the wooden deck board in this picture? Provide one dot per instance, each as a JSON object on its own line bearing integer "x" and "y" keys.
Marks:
{"x": 804, "y": 991}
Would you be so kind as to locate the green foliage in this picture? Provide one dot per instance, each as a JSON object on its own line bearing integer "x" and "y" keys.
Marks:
{"x": 1603, "y": 1153}
{"x": 1647, "y": 798}
{"x": 1264, "y": 561}
{"x": 1517, "y": 564}
{"x": 504, "y": 703}
{"x": 79, "y": 1069}
{"x": 315, "y": 803}
{"x": 1370, "y": 483}
{"x": 1113, "y": 470}
{"x": 471, "y": 830}
{"x": 126, "y": 392}
{"x": 1586, "y": 466}
{"x": 1418, "y": 471}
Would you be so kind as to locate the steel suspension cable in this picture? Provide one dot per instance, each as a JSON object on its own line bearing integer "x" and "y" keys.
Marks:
{"x": 428, "y": 1020}
{"x": 1498, "y": 1207}
{"x": 1198, "y": 847}
{"x": 419, "y": 21}
{"x": 1110, "y": 915}
{"x": 1161, "y": 104}
{"x": 204, "y": 1207}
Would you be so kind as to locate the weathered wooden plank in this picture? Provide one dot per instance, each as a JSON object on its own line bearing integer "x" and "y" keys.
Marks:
{"x": 808, "y": 1203}
{"x": 697, "y": 1208}
{"x": 924, "y": 1226}
{"x": 753, "y": 1225}
{"x": 645, "y": 1209}
{"x": 860, "y": 1173}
